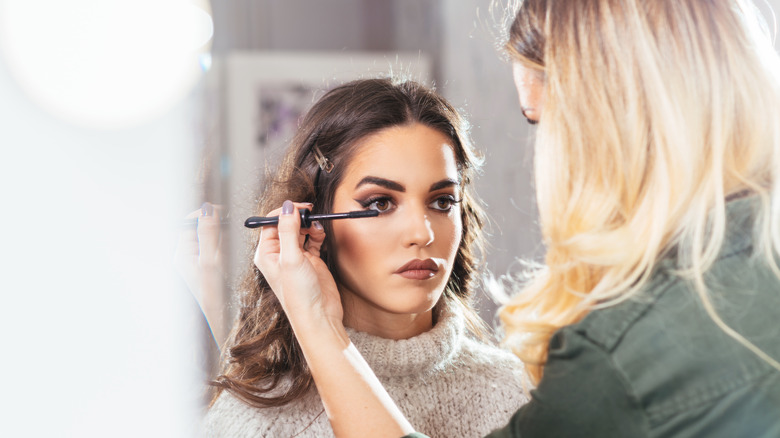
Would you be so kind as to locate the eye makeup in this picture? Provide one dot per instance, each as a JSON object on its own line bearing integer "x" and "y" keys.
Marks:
{"x": 380, "y": 199}
{"x": 447, "y": 198}
{"x": 369, "y": 203}
{"x": 375, "y": 196}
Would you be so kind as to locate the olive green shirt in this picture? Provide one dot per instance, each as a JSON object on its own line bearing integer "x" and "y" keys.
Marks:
{"x": 658, "y": 366}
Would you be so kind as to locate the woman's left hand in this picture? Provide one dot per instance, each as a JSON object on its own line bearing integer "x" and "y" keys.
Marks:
{"x": 198, "y": 260}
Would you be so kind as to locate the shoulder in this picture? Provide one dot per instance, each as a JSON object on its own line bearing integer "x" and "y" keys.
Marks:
{"x": 668, "y": 321}
{"x": 230, "y": 416}
{"x": 736, "y": 273}
{"x": 669, "y": 315}
{"x": 671, "y": 304}
{"x": 483, "y": 357}
{"x": 667, "y": 352}
{"x": 581, "y": 394}
{"x": 491, "y": 371}
{"x": 472, "y": 393}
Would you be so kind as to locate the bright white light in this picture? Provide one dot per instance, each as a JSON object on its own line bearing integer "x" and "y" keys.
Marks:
{"x": 105, "y": 63}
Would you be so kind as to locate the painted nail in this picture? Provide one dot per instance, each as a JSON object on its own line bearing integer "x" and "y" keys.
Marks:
{"x": 317, "y": 225}
{"x": 206, "y": 209}
{"x": 308, "y": 204}
{"x": 287, "y": 207}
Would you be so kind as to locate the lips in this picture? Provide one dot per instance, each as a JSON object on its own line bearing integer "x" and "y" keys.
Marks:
{"x": 418, "y": 269}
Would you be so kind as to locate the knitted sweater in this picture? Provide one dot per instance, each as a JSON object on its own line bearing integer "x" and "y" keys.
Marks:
{"x": 445, "y": 383}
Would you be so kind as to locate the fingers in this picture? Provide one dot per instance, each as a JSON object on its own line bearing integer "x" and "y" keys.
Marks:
{"x": 188, "y": 237}
{"x": 208, "y": 236}
{"x": 268, "y": 246}
{"x": 316, "y": 237}
{"x": 289, "y": 229}
{"x": 269, "y": 233}
{"x": 187, "y": 250}
{"x": 188, "y": 258}
{"x": 294, "y": 272}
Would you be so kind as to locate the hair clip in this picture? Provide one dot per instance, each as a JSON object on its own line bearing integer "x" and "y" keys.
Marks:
{"x": 322, "y": 160}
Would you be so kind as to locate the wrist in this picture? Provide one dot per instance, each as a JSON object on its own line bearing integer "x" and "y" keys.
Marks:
{"x": 318, "y": 330}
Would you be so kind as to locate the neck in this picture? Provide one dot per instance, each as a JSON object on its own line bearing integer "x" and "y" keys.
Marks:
{"x": 379, "y": 322}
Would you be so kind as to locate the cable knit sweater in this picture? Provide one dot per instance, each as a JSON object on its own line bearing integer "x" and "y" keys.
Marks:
{"x": 447, "y": 385}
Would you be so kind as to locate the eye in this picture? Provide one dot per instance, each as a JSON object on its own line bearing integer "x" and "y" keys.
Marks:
{"x": 531, "y": 121}
{"x": 381, "y": 204}
{"x": 444, "y": 203}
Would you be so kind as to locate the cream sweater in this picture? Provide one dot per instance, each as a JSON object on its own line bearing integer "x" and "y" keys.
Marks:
{"x": 447, "y": 385}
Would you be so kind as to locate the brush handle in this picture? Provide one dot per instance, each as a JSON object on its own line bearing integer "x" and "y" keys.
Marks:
{"x": 307, "y": 218}
{"x": 256, "y": 221}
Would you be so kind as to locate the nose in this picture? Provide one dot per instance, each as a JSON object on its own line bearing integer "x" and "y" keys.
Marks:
{"x": 418, "y": 230}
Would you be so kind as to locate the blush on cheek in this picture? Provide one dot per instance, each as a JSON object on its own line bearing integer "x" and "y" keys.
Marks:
{"x": 455, "y": 234}
{"x": 354, "y": 249}
{"x": 352, "y": 238}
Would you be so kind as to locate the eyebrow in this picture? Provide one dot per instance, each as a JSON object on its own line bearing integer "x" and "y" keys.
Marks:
{"x": 443, "y": 184}
{"x": 392, "y": 185}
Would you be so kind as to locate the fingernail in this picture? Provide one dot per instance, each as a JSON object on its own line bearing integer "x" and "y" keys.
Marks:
{"x": 206, "y": 209}
{"x": 308, "y": 204}
{"x": 317, "y": 225}
{"x": 287, "y": 207}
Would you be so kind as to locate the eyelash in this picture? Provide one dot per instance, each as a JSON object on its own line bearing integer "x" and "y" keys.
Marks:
{"x": 449, "y": 198}
{"x": 531, "y": 122}
{"x": 374, "y": 199}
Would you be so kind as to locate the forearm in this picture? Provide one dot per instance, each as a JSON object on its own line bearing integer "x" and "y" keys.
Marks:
{"x": 213, "y": 304}
{"x": 355, "y": 401}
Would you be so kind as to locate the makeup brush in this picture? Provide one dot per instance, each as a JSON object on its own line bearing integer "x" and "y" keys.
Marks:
{"x": 307, "y": 218}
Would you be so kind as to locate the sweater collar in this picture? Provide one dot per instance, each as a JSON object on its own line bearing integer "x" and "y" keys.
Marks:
{"x": 421, "y": 354}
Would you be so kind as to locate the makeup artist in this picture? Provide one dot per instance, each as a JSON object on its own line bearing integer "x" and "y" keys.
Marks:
{"x": 657, "y": 164}
{"x": 397, "y": 276}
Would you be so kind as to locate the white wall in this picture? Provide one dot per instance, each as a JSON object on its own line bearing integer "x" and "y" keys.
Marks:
{"x": 98, "y": 334}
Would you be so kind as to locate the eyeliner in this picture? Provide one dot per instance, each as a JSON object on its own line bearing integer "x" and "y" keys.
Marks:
{"x": 307, "y": 218}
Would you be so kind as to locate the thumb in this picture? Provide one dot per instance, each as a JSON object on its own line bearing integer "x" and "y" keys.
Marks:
{"x": 208, "y": 235}
{"x": 290, "y": 253}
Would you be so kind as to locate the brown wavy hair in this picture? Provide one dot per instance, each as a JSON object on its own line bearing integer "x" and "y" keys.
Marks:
{"x": 262, "y": 351}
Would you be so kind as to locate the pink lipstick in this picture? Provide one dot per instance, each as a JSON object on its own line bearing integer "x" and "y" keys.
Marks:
{"x": 418, "y": 269}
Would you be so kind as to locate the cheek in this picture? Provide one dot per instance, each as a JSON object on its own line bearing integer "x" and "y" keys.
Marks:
{"x": 354, "y": 246}
{"x": 449, "y": 234}
{"x": 457, "y": 236}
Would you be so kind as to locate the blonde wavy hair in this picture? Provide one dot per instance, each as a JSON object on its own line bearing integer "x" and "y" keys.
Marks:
{"x": 655, "y": 113}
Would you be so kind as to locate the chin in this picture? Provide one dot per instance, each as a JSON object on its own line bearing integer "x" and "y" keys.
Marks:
{"x": 410, "y": 305}
{"x": 411, "y": 309}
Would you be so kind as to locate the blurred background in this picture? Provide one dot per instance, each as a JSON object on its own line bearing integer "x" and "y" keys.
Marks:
{"x": 120, "y": 117}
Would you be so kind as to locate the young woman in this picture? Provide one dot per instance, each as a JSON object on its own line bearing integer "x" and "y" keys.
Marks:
{"x": 404, "y": 278}
{"x": 657, "y": 166}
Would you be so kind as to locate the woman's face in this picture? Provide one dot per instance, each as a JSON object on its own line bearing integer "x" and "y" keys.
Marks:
{"x": 530, "y": 90}
{"x": 393, "y": 268}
